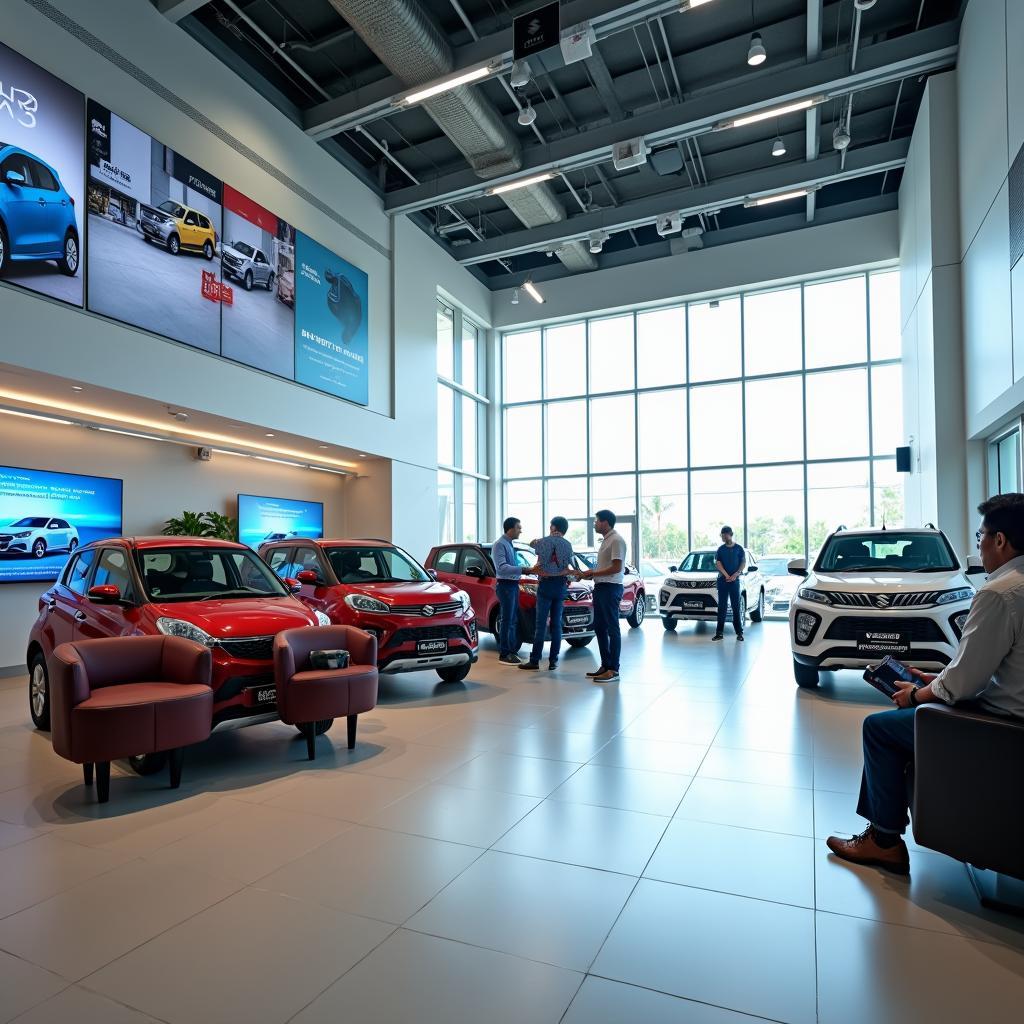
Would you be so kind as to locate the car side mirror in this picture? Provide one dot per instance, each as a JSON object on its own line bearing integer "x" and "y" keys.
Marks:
{"x": 974, "y": 566}
{"x": 474, "y": 570}
{"x": 293, "y": 585}
{"x": 673, "y": 568}
{"x": 106, "y": 593}
{"x": 309, "y": 577}
{"x": 14, "y": 178}
{"x": 432, "y": 573}
{"x": 798, "y": 567}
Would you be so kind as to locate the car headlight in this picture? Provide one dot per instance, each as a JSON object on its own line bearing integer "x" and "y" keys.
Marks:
{"x": 463, "y": 598}
{"x": 188, "y": 630}
{"x": 814, "y": 596}
{"x": 362, "y": 603}
{"x": 806, "y": 624}
{"x": 321, "y": 619}
{"x": 24, "y": 533}
{"x": 671, "y": 584}
{"x": 950, "y": 596}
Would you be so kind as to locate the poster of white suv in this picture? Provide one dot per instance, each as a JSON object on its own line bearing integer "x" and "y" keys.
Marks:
{"x": 37, "y": 536}
{"x": 690, "y": 590}
{"x": 875, "y": 592}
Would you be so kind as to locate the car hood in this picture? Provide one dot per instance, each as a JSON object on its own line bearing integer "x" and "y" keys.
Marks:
{"x": 402, "y": 593}
{"x": 227, "y": 250}
{"x": 889, "y": 582}
{"x": 237, "y": 617}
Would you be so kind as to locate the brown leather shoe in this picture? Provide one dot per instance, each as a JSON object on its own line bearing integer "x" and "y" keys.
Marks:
{"x": 863, "y": 849}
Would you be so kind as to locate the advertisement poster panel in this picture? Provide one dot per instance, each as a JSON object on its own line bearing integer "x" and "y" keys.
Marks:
{"x": 44, "y": 516}
{"x": 154, "y": 233}
{"x": 258, "y": 299}
{"x": 262, "y": 519}
{"x": 331, "y": 331}
{"x": 42, "y": 180}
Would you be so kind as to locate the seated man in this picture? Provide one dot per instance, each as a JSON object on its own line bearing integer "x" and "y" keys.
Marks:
{"x": 988, "y": 669}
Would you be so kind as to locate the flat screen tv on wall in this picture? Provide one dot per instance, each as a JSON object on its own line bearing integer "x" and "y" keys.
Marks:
{"x": 262, "y": 519}
{"x": 45, "y": 516}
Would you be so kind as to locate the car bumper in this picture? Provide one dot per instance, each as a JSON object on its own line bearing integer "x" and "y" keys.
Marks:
{"x": 14, "y": 546}
{"x": 409, "y": 662}
{"x": 160, "y": 231}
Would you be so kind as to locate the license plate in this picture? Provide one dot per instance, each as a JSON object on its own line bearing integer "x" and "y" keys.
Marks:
{"x": 577, "y": 620}
{"x": 882, "y": 642}
{"x": 262, "y": 696}
{"x": 698, "y": 605}
{"x": 431, "y": 646}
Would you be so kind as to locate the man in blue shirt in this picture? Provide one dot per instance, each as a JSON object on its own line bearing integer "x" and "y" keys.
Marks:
{"x": 508, "y": 572}
{"x": 730, "y": 561}
{"x": 554, "y": 558}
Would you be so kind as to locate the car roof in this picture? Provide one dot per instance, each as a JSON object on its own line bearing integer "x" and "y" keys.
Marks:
{"x": 879, "y": 531}
{"x": 142, "y": 543}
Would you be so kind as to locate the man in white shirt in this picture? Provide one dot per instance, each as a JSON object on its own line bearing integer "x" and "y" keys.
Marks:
{"x": 988, "y": 669}
{"x": 608, "y": 576}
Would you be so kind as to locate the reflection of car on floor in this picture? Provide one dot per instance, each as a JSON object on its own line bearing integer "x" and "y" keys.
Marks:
{"x": 633, "y": 606}
{"x": 248, "y": 265}
{"x": 780, "y": 586}
{"x": 469, "y": 566}
{"x": 691, "y": 590}
{"x": 37, "y": 216}
{"x": 420, "y": 624}
{"x": 178, "y": 227}
{"x": 38, "y": 536}
{"x": 876, "y": 592}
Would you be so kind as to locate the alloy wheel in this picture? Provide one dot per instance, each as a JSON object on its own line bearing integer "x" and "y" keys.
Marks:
{"x": 71, "y": 253}
{"x": 37, "y": 690}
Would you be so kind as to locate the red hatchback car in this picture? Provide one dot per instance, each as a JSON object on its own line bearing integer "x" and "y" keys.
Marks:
{"x": 419, "y": 623}
{"x": 470, "y": 567}
{"x": 211, "y": 591}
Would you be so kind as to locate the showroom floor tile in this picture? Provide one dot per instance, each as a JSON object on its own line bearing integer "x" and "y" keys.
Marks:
{"x": 523, "y": 848}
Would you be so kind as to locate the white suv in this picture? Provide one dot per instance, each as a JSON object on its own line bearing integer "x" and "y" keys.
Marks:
{"x": 690, "y": 591}
{"x": 877, "y": 592}
{"x": 38, "y": 536}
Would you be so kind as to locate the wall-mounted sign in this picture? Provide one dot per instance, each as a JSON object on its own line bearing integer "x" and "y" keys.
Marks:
{"x": 535, "y": 31}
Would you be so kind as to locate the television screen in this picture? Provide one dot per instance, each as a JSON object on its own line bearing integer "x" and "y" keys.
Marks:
{"x": 262, "y": 519}
{"x": 45, "y": 516}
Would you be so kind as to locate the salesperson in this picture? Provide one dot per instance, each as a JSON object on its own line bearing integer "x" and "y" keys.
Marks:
{"x": 508, "y": 572}
{"x": 730, "y": 561}
{"x": 608, "y": 576}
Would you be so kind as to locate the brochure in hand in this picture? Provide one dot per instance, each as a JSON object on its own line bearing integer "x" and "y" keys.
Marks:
{"x": 888, "y": 674}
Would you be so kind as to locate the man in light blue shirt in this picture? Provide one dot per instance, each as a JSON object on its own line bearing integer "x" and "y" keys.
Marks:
{"x": 508, "y": 572}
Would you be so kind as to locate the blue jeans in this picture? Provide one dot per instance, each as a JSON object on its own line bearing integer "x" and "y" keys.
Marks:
{"x": 550, "y": 598}
{"x": 888, "y": 738}
{"x": 729, "y": 592}
{"x": 606, "y": 623}
{"x": 508, "y": 601}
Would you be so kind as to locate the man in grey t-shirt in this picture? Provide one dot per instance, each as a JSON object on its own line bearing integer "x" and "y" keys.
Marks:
{"x": 608, "y": 576}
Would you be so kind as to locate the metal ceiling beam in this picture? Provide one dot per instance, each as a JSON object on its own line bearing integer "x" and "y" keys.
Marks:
{"x": 731, "y": 191}
{"x": 931, "y": 49}
{"x": 175, "y": 10}
{"x": 361, "y": 106}
{"x": 813, "y": 116}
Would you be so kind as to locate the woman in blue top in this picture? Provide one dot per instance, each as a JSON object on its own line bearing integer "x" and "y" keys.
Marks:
{"x": 730, "y": 561}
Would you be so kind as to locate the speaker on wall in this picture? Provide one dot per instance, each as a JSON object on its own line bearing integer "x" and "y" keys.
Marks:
{"x": 903, "y": 460}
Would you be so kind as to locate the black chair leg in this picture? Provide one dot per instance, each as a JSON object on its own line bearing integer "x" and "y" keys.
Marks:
{"x": 102, "y": 781}
{"x": 87, "y": 772}
{"x": 352, "y": 731}
{"x": 176, "y": 758}
{"x": 309, "y": 729}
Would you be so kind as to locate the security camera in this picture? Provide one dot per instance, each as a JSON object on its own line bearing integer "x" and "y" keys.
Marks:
{"x": 204, "y": 454}
{"x": 668, "y": 224}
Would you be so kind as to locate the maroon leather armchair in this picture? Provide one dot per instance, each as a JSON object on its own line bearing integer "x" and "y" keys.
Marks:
{"x": 122, "y": 696}
{"x": 312, "y": 698}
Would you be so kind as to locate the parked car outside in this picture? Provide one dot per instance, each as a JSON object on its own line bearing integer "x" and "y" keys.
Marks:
{"x": 37, "y": 215}
{"x": 214, "y": 592}
{"x": 470, "y": 567}
{"x": 38, "y": 536}
{"x": 633, "y": 606}
{"x": 178, "y": 227}
{"x": 247, "y": 265}
{"x": 420, "y": 623}
{"x": 653, "y": 573}
{"x": 780, "y": 586}
{"x": 691, "y": 590}
{"x": 902, "y": 592}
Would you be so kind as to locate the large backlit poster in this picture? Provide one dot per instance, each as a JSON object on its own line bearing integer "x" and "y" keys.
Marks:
{"x": 262, "y": 519}
{"x": 154, "y": 234}
{"x": 331, "y": 332}
{"x": 45, "y": 516}
{"x": 258, "y": 298}
{"x": 42, "y": 180}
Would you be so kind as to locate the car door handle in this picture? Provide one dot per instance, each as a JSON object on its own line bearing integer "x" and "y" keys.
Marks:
{"x": 52, "y": 603}
{"x": 80, "y": 616}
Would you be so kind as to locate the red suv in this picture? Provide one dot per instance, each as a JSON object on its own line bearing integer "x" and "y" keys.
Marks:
{"x": 470, "y": 566}
{"x": 419, "y": 623}
{"x": 212, "y": 591}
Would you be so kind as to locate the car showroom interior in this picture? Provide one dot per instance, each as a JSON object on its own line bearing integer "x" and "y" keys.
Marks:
{"x": 511, "y": 511}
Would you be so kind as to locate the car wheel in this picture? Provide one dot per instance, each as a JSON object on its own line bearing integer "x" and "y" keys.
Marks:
{"x": 173, "y": 244}
{"x": 806, "y": 675}
{"x": 208, "y": 249}
{"x": 39, "y": 548}
{"x": 578, "y": 641}
{"x": 669, "y": 624}
{"x": 39, "y": 693}
{"x": 321, "y": 726}
{"x": 247, "y": 283}
{"x": 758, "y": 613}
{"x": 270, "y": 282}
{"x": 72, "y": 544}
{"x": 4, "y": 253}
{"x": 148, "y": 764}
{"x": 455, "y": 674}
{"x": 69, "y": 264}
{"x": 636, "y": 617}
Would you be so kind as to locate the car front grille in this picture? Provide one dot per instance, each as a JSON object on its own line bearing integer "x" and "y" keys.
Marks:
{"x": 441, "y": 608}
{"x": 408, "y": 635}
{"x": 251, "y": 648}
{"x": 918, "y": 630}
{"x": 232, "y": 261}
{"x": 884, "y": 600}
{"x": 691, "y": 584}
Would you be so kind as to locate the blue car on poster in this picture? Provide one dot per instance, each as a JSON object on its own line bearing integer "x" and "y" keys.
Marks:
{"x": 37, "y": 216}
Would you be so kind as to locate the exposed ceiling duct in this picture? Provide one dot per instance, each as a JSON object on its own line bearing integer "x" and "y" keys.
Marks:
{"x": 413, "y": 48}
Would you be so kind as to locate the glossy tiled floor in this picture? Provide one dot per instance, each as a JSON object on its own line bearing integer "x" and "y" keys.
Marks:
{"x": 522, "y": 848}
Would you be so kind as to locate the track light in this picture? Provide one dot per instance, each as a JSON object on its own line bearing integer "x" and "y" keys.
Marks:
{"x": 756, "y": 54}
{"x": 527, "y": 115}
{"x": 597, "y": 240}
{"x": 515, "y": 296}
{"x": 521, "y": 75}
{"x": 841, "y": 137}
{"x": 778, "y": 146}
{"x": 510, "y": 186}
{"x": 531, "y": 289}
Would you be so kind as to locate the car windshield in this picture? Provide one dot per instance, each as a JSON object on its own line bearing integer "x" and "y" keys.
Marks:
{"x": 774, "y": 566}
{"x": 205, "y": 573}
{"x": 375, "y": 565}
{"x": 173, "y": 208}
{"x": 243, "y": 247}
{"x": 33, "y": 522}
{"x": 699, "y": 561}
{"x": 889, "y": 552}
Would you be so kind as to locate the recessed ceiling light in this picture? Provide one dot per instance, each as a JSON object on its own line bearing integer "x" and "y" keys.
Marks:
{"x": 363, "y": 455}
{"x": 77, "y": 387}
{"x": 269, "y": 435}
{"x": 323, "y": 446}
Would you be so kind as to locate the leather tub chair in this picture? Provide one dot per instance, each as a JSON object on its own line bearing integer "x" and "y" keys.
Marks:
{"x": 121, "y": 696}
{"x": 312, "y": 698}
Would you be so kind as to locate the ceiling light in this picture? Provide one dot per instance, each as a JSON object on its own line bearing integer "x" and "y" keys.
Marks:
{"x": 756, "y": 54}
{"x": 531, "y": 290}
{"x": 778, "y": 146}
{"x": 778, "y": 198}
{"x": 445, "y": 85}
{"x": 688, "y": 5}
{"x": 268, "y": 435}
{"x": 77, "y": 387}
{"x": 597, "y": 240}
{"x": 765, "y": 115}
{"x": 521, "y": 74}
{"x": 132, "y": 433}
{"x": 864, "y": 5}
{"x": 515, "y": 297}
{"x": 841, "y": 137}
{"x": 225, "y": 451}
{"x": 323, "y": 446}
{"x": 37, "y": 416}
{"x": 363, "y": 455}
{"x": 509, "y": 186}
{"x": 527, "y": 115}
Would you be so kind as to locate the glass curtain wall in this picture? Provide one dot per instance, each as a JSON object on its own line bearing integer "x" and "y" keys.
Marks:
{"x": 777, "y": 411}
{"x": 461, "y": 426}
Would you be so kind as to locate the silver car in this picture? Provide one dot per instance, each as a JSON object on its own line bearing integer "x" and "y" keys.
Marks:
{"x": 247, "y": 265}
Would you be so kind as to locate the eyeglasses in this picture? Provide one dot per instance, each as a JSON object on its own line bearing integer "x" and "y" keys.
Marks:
{"x": 982, "y": 532}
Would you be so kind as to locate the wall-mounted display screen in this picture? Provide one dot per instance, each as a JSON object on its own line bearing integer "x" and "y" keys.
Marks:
{"x": 154, "y": 234}
{"x": 42, "y": 181}
{"x": 262, "y": 519}
{"x": 44, "y": 516}
{"x": 331, "y": 332}
{"x": 258, "y": 299}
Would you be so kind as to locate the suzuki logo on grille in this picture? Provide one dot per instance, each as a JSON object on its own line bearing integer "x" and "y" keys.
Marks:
{"x": 428, "y": 610}
{"x": 882, "y": 600}
{"x": 533, "y": 27}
